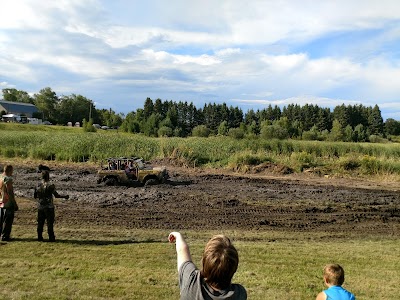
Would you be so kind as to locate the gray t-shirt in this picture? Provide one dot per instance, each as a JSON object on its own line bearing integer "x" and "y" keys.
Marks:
{"x": 193, "y": 287}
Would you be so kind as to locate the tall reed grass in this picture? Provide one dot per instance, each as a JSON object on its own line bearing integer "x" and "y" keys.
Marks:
{"x": 74, "y": 145}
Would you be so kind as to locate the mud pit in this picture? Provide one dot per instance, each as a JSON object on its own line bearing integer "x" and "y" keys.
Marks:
{"x": 219, "y": 201}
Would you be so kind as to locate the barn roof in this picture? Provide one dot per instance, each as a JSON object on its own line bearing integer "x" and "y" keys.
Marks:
{"x": 18, "y": 107}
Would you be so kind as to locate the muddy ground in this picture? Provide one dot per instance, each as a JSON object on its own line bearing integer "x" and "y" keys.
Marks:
{"x": 196, "y": 199}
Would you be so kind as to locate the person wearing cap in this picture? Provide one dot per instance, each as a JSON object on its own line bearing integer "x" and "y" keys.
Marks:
{"x": 44, "y": 193}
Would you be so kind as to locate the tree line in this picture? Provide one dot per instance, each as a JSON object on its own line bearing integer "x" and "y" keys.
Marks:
{"x": 356, "y": 123}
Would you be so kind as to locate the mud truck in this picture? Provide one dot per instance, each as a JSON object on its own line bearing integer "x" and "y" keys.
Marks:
{"x": 130, "y": 171}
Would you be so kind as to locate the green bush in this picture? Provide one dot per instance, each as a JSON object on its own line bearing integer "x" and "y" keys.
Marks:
{"x": 303, "y": 160}
{"x": 88, "y": 126}
{"x": 370, "y": 164}
{"x": 201, "y": 131}
{"x": 165, "y": 131}
{"x": 349, "y": 162}
{"x": 241, "y": 161}
{"x": 236, "y": 133}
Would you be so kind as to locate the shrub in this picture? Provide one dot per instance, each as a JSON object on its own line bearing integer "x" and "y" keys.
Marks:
{"x": 88, "y": 126}
{"x": 274, "y": 132}
{"x": 377, "y": 139}
{"x": 349, "y": 162}
{"x": 223, "y": 128}
{"x": 310, "y": 135}
{"x": 370, "y": 165}
{"x": 165, "y": 131}
{"x": 241, "y": 161}
{"x": 303, "y": 160}
{"x": 201, "y": 131}
{"x": 236, "y": 133}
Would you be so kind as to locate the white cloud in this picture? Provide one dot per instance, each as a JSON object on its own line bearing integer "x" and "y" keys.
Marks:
{"x": 44, "y": 14}
{"x": 283, "y": 63}
{"x": 215, "y": 50}
{"x": 162, "y": 56}
{"x": 227, "y": 52}
{"x": 231, "y": 23}
{"x": 5, "y": 84}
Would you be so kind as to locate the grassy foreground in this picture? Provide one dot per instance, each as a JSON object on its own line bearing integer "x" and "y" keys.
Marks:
{"x": 114, "y": 263}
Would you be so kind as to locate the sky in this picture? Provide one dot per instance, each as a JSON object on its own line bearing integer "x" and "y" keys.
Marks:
{"x": 245, "y": 53}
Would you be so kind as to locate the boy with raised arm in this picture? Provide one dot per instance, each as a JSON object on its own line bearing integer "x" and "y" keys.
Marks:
{"x": 220, "y": 261}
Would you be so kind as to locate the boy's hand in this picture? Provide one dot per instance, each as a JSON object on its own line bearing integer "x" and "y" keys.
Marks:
{"x": 173, "y": 236}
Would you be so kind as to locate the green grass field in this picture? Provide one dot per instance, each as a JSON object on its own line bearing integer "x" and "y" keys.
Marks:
{"x": 115, "y": 263}
{"x": 119, "y": 263}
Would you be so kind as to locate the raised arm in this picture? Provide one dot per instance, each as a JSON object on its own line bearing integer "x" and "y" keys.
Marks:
{"x": 182, "y": 248}
{"x": 57, "y": 195}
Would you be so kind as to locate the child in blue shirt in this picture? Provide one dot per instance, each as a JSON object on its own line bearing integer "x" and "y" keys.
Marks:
{"x": 333, "y": 279}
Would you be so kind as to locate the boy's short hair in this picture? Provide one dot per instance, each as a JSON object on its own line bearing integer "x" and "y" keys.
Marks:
{"x": 220, "y": 262}
{"x": 334, "y": 274}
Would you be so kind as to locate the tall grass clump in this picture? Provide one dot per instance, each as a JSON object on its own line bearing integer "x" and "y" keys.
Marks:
{"x": 349, "y": 162}
{"x": 370, "y": 165}
{"x": 243, "y": 161}
{"x": 303, "y": 160}
{"x": 196, "y": 151}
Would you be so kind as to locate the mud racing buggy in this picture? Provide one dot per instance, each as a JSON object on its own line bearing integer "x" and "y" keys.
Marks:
{"x": 130, "y": 171}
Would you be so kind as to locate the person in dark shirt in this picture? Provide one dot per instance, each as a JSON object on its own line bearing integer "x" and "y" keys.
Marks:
{"x": 44, "y": 193}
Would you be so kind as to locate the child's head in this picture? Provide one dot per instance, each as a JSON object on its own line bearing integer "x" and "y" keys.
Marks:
{"x": 8, "y": 170}
{"x": 334, "y": 274}
{"x": 220, "y": 262}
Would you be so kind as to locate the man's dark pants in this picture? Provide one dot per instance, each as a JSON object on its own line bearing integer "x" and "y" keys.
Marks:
{"x": 43, "y": 215}
{"x": 6, "y": 222}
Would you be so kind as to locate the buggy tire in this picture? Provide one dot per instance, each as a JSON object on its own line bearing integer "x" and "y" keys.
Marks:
{"x": 111, "y": 181}
{"x": 151, "y": 181}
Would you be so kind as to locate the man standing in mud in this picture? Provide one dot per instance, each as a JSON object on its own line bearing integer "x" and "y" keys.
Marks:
{"x": 8, "y": 205}
{"x": 44, "y": 193}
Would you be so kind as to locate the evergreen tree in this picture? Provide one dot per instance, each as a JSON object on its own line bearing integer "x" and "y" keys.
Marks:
{"x": 158, "y": 107}
{"x": 250, "y": 117}
{"x": 148, "y": 108}
{"x": 375, "y": 121}
{"x": 341, "y": 114}
{"x": 324, "y": 121}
